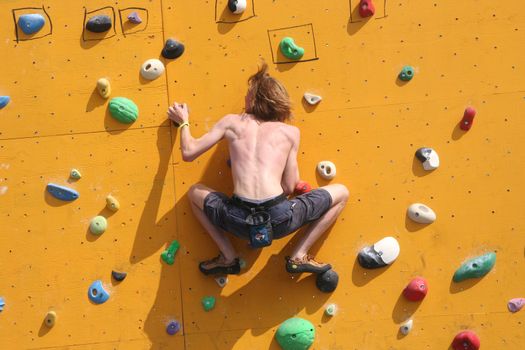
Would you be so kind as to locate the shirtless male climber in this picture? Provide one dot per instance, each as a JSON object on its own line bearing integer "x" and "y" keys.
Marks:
{"x": 263, "y": 152}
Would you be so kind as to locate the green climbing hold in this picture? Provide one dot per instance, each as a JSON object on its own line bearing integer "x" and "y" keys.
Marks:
{"x": 208, "y": 303}
{"x": 124, "y": 110}
{"x": 290, "y": 49}
{"x": 295, "y": 334}
{"x": 407, "y": 73}
{"x": 169, "y": 254}
{"x": 75, "y": 174}
{"x": 476, "y": 267}
{"x": 98, "y": 225}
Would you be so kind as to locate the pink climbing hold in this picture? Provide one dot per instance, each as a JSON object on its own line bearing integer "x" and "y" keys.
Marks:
{"x": 366, "y": 8}
{"x": 468, "y": 119}
{"x": 466, "y": 340}
{"x": 416, "y": 290}
{"x": 516, "y": 304}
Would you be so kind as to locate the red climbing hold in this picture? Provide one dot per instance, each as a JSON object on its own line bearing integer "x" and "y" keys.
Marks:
{"x": 302, "y": 188}
{"x": 466, "y": 340}
{"x": 366, "y": 8}
{"x": 468, "y": 119}
{"x": 416, "y": 290}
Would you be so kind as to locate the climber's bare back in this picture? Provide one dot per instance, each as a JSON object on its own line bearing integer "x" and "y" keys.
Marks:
{"x": 259, "y": 154}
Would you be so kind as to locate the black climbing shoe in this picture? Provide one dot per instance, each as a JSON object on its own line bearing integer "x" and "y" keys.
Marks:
{"x": 218, "y": 265}
{"x": 306, "y": 264}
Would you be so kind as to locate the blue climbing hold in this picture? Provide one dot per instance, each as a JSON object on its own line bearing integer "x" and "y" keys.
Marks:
{"x": 97, "y": 293}
{"x": 99, "y": 24}
{"x": 173, "y": 327}
{"x": 31, "y": 23}
{"x": 2, "y": 304}
{"x": 61, "y": 192}
{"x": 4, "y": 100}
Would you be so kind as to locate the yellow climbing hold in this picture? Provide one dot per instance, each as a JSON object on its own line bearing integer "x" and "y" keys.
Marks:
{"x": 112, "y": 203}
{"x": 103, "y": 87}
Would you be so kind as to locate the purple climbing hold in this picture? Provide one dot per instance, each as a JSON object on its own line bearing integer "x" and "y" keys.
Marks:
{"x": 173, "y": 327}
{"x": 134, "y": 17}
{"x": 516, "y": 304}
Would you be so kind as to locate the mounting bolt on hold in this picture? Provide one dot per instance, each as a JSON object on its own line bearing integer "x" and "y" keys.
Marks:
{"x": 290, "y": 49}
{"x": 237, "y": 6}
{"x": 50, "y": 319}
{"x": 407, "y": 73}
{"x": 326, "y": 169}
{"x": 366, "y": 8}
{"x": 468, "y": 119}
{"x": 312, "y": 99}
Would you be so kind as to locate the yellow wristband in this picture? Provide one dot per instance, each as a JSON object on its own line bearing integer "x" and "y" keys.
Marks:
{"x": 184, "y": 124}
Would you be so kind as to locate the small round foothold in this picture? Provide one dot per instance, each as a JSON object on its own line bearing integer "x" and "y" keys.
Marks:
{"x": 118, "y": 276}
{"x": 366, "y": 8}
{"x": 98, "y": 225}
{"x": 31, "y": 23}
{"x": 172, "y": 49}
{"x": 302, "y": 187}
{"x": 468, "y": 119}
{"x": 134, "y": 18}
{"x": 428, "y": 157}
{"x": 516, "y": 304}
{"x": 406, "y": 327}
{"x": 407, "y": 73}
{"x": 103, "y": 87}
{"x": 416, "y": 290}
{"x": 4, "y": 100}
{"x": 466, "y": 340}
{"x": 50, "y": 319}
{"x": 221, "y": 281}
{"x": 312, "y": 99}
{"x": 173, "y": 327}
{"x": 327, "y": 281}
{"x": 99, "y": 24}
{"x": 75, "y": 174}
{"x": 421, "y": 214}
{"x": 326, "y": 169}
{"x": 152, "y": 69}
{"x": 382, "y": 253}
{"x": 237, "y": 6}
{"x": 290, "y": 49}
{"x": 331, "y": 309}
{"x": 208, "y": 303}
{"x": 112, "y": 203}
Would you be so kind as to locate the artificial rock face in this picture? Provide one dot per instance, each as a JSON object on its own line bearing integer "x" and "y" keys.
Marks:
{"x": 428, "y": 157}
{"x": 295, "y": 334}
{"x": 382, "y": 253}
{"x": 421, "y": 214}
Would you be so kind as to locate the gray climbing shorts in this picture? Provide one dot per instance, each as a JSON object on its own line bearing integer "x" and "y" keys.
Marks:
{"x": 286, "y": 216}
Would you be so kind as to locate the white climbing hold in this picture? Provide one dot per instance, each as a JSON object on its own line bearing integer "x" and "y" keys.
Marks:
{"x": 331, "y": 309}
{"x": 312, "y": 99}
{"x": 152, "y": 69}
{"x": 420, "y": 213}
{"x": 75, "y": 174}
{"x": 326, "y": 169}
{"x": 221, "y": 281}
{"x": 406, "y": 327}
{"x": 428, "y": 157}
{"x": 237, "y": 6}
{"x": 388, "y": 249}
{"x": 104, "y": 87}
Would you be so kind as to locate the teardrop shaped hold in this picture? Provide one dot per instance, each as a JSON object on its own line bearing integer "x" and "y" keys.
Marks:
{"x": 468, "y": 119}
{"x": 312, "y": 99}
{"x": 99, "y": 24}
{"x": 75, "y": 174}
{"x": 4, "y": 101}
{"x": 406, "y": 327}
{"x": 407, "y": 73}
{"x": 169, "y": 254}
{"x": 295, "y": 334}
{"x": 208, "y": 303}
{"x": 172, "y": 49}
{"x": 327, "y": 281}
{"x": 326, "y": 169}
{"x": 97, "y": 293}
{"x": 61, "y": 192}
{"x": 124, "y": 110}
{"x": 516, "y": 304}
{"x": 237, "y": 6}
{"x": 104, "y": 87}
{"x": 134, "y": 18}
{"x": 31, "y": 23}
{"x": 152, "y": 69}
{"x": 50, "y": 319}
{"x": 98, "y": 225}
{"x": 290, "y": 49}
{"x": 416, "y": 290}
{"x": 112, "y": 203}
{"x": 382, "y": 253}
{"x": 466, "y": 340}
{"x": 428, "y": 157}
{"x": 421, "y": 214}
{"x": 476, "y": 267}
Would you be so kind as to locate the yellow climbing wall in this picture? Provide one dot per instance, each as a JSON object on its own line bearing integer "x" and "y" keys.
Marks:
{"x": 369, "y": 124}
